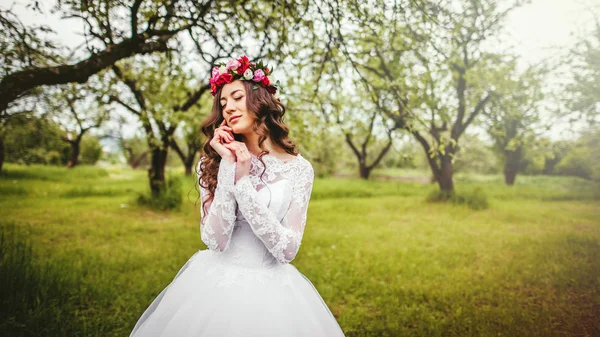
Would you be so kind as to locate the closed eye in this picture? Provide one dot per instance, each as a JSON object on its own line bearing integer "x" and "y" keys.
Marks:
{"x": 235, "y": 99}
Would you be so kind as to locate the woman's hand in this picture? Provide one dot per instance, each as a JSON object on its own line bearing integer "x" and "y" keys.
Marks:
{"x": 242, "y": 157}
{"x": 223, "y": 135}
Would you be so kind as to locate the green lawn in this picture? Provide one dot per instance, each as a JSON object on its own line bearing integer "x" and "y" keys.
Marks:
{"x": 387, "y": 262}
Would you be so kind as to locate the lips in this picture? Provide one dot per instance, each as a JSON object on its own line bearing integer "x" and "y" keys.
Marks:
{"x": 234, "y": 118}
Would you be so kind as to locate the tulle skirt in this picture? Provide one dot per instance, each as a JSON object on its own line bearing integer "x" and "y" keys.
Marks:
{"x": 212, "y": 297}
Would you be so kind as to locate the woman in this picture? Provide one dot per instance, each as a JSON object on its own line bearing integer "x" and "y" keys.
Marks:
{"x": 255, "y": 190}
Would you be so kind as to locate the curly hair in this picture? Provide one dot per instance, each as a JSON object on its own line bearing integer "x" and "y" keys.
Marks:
{"x": 268, "y": 123}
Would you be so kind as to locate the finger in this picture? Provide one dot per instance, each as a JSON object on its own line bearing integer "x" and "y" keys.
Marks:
{"x": 223, "y": 123}
{"x": 232, "y": 146}
{"x": 225, "y": 136}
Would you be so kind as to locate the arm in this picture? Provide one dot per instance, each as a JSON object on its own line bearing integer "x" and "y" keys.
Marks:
{"x": 282, "y": 239}
{"x": 216, "y": 226}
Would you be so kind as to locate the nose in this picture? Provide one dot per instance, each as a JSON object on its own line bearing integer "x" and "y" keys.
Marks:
{"x": 228, "y": 108}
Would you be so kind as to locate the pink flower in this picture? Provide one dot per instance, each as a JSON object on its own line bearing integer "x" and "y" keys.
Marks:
{"x": 233, "y": 65}
{"x": 215, "y": 72}
{"x": 259, "y": 75}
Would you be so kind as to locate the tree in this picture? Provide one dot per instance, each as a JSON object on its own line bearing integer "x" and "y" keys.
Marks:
{"x": 30, "y": 139}
{"x": 583, "y": 91}
{"x": 165, "y": 89}
{"x": 135, "y": 151}
{"x": 192, "y": 140}
{"x": 76, "y": 109}
{"x": 513, "y": 119}
{"x": 361, "y": 125}
{"x": 114, "y": 31}
{"x": 427, "y": 68}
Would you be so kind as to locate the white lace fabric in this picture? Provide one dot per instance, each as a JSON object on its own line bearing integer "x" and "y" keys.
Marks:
{"x": 277, "y": 218}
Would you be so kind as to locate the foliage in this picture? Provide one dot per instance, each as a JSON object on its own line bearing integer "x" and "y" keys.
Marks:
{"x": 582, "y": 159}
{"x": 583, "y": 91}
{"x": 34, "y": 140}
{"x": 513, "y": 117}
{"x": 135, "y": 150}
{"x": 91, "y": 150}
{"x": 475, "y": 198}
{"x": 169, "y": 198}
{"x": 474, "y": 156}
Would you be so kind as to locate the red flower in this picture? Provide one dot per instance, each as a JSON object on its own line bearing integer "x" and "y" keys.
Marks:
{"x": 244, "y": 64}
{"x": 272, "y": 90}
{"x": 213, "y": 88}
{"x": 267, "y": 71}
{"x": 265, "y": 81}
{"x": 224, "y": 79}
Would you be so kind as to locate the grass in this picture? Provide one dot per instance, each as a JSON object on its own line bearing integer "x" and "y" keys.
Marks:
{"x": 386, "y": 261}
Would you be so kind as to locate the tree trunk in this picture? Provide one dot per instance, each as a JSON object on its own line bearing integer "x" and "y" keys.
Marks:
{"x": 550, "y": 163}
{"x": 444, "y": 177}
{"x": 75, "y": 149}
{"x": 511, "y": 166}
{"x": 134, "y": 162}
{"x": 364, "y": 170}
{"x": 189, "y": 164}
{"x": 156, "y": 172}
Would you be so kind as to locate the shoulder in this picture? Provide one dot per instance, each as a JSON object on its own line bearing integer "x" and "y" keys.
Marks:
{"x": 306, "y": 166}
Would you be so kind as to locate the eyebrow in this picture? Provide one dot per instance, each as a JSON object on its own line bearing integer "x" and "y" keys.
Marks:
{"x": 233, "y": 92}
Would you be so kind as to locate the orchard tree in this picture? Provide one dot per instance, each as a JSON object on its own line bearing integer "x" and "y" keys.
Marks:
{"x": 77, "y": 110}
{"x": 153, "y": 89}
{"x": 583, "y": 92}
{"x": 513, "y": 117}
{"x": 426, "y": 66}
{"x": 114, "y": 30}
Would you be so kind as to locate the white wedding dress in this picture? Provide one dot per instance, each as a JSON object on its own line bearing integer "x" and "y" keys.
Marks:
{"x": 243, "y": 285}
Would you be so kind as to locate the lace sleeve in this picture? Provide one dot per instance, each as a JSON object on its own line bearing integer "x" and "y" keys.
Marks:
{"x": 218, "y": 216}
{"x": 282, "y": 239}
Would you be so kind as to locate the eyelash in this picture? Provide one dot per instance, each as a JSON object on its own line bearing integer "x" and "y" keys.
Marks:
{"x": 235, "y": 99}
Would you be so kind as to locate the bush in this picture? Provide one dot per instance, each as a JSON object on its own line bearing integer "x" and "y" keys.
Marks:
{"x": 34, "y": 140}
{"x": 91, "y": 150}
{"x": 168, "y": 199}
{"x": 475, "y": 199}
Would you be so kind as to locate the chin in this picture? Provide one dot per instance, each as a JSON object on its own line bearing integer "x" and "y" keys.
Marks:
{"x": 239, "y": 129}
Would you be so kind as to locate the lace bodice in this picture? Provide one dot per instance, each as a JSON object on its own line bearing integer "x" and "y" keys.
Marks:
{"x": 271, "y": 210}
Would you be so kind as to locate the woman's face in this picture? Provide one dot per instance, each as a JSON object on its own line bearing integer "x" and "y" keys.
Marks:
{"x": 234, "y": 109}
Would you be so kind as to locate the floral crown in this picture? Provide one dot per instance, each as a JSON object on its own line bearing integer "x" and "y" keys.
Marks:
{"x": 242, "y": 69}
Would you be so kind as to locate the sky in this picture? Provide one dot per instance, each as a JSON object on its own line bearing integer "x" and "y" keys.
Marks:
{"x": 534, "y": 32}
{"x": 543, "y": 27}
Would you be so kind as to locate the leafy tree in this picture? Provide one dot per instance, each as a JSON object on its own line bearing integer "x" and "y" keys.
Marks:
{"x": 583, "y": 92}
{"x": 513, "y": 119}
{"x": 156, "y": 87}
{"x": 426, "y": 67}
{"x": 76, "y": 109}
{"x": 34, "y": 140}
{"x": 115, "y": 30}
{"x": 476, "y": 156}
{"x": 135, "y": 150}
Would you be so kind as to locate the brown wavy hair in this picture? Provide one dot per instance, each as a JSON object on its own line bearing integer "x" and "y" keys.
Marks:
{"x": 268, "y": 123}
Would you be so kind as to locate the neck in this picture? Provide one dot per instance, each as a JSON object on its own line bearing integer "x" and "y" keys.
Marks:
{"x": 251, "y": 141}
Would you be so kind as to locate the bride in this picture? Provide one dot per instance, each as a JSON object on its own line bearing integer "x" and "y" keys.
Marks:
{"x": 255, "y": 188}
